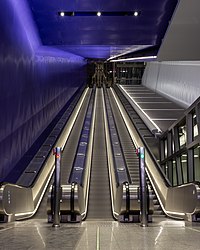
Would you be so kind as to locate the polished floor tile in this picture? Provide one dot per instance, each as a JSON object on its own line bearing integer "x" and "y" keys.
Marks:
{"x": 162, "y": 234}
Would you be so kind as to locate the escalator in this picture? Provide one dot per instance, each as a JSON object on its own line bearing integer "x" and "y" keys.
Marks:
{"x": 68, "y": 154}
{"x": 100, "y": 175}
{"x": 128, "y": 146}
{"x": 69, "y": 151}
{"x": 28, "y": 196}
{"x": 181, "y": 202}
{"x": 101, "y": 182}
{"x": 109, "y": 159}
{"x": 129, "y": 150}
{"x": 98, "y": 186}
{"x": 87, "y": 194}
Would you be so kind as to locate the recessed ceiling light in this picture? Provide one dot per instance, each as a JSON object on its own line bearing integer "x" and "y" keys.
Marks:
{"x": 135, "y": 13}
{"x": 98, "y": 13}
{"x": 62, "y": 13}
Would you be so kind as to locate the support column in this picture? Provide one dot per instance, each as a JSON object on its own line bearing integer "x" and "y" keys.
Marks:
{"x": 56, "y": 194}
{"x": 143, "y": 188}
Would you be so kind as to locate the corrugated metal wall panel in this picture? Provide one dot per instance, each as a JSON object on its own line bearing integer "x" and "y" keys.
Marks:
{"x": 178, "y": 81}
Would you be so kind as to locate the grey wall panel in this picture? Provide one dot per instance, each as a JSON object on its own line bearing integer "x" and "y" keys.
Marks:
{"x": 182, "y": 39}
{"x": 179, "y": 81}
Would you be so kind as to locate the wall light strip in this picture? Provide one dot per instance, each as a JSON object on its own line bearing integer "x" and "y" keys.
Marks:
{"x": 133, "y": 59}
{"x": 130, "y": 50}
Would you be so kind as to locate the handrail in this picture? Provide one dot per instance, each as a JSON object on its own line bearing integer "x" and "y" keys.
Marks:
{"x": 78, "y": 167}
{"x": 75, "y": 195}
{"x": 30, "y": 174}
{"x": 130, "y": 203}
{"x": 173, "y": 200}
{"x": 119, "y": 184}
{"x": 17, "y": 202}
{"x": 112, "y": 175}
{"x": 120, "y": 167}
{"x": 83, "y": 183}
{"x": 143, "y": 141}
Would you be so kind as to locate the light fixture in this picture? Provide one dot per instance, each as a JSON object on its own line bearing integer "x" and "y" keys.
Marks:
{"x": 134, "y": 59}
{"x": 135, "y": 13}
{"x": 62, "y": 13}
{"x": 184, "y": 161}
{"x": 98, "y": 13}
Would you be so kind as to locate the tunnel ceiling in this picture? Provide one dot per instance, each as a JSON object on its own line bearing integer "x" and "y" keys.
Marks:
{"x": 116, "y": 31}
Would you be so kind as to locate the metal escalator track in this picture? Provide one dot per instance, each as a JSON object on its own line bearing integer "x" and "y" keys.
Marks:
{"x": 131, "y": 159}
{"x": 171, "y": 198}
{"x": 127, "y": 144}
{"x": 67, "y": 156}
{"x": 70, "y": 148}
{"x": 129, "y": 149}
{"x": 28, "y": 194}
{"x": 99, "y": 196}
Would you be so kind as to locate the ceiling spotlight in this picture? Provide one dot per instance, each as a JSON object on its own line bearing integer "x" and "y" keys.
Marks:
{"x": 62, "y": 13}
{"x": 135, "y": 13}
{"x": 98, "y": 13}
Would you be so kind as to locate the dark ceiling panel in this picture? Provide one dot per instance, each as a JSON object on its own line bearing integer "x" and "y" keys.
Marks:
{"x": 146, "y": 29}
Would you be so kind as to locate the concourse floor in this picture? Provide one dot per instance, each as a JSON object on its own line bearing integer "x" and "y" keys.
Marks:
{"x": 162, "y": 234}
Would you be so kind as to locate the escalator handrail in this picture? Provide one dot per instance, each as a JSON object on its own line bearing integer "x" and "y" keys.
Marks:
{"x": 122, "y": 175}
{"x": 37, "y": 190}
{"x": 78, "y": 167}
{"x": 168, "y": 184}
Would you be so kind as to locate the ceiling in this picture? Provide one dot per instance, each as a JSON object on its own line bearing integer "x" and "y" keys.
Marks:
{"x": 182, "y": 38}
{"x": 100, "y": 37}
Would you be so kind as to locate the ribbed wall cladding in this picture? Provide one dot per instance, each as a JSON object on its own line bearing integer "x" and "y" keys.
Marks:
{"x": 178, "y": 81}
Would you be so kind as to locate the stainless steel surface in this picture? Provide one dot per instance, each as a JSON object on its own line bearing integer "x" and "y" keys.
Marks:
{"x": 69, "y": 151}
{"x": 129, "y": 150}
{"x": 82, "y": 191}
{"x": 143, "y": 188}
{"x": 126, "y": 208}
{"x": 17, "y": 202}
{"x": 75, "y": 195}
{"x": 174, "y": 201}
{"x": 68, "y": 154}
{"x": 171, "y": 199}
{"x": 117, "y": 151}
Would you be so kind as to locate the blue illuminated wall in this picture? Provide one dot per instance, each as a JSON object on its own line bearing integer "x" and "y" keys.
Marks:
{"x": 35, "y": 82}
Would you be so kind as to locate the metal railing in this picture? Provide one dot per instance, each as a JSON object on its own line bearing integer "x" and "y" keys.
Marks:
{"x": 181, "y": 202}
